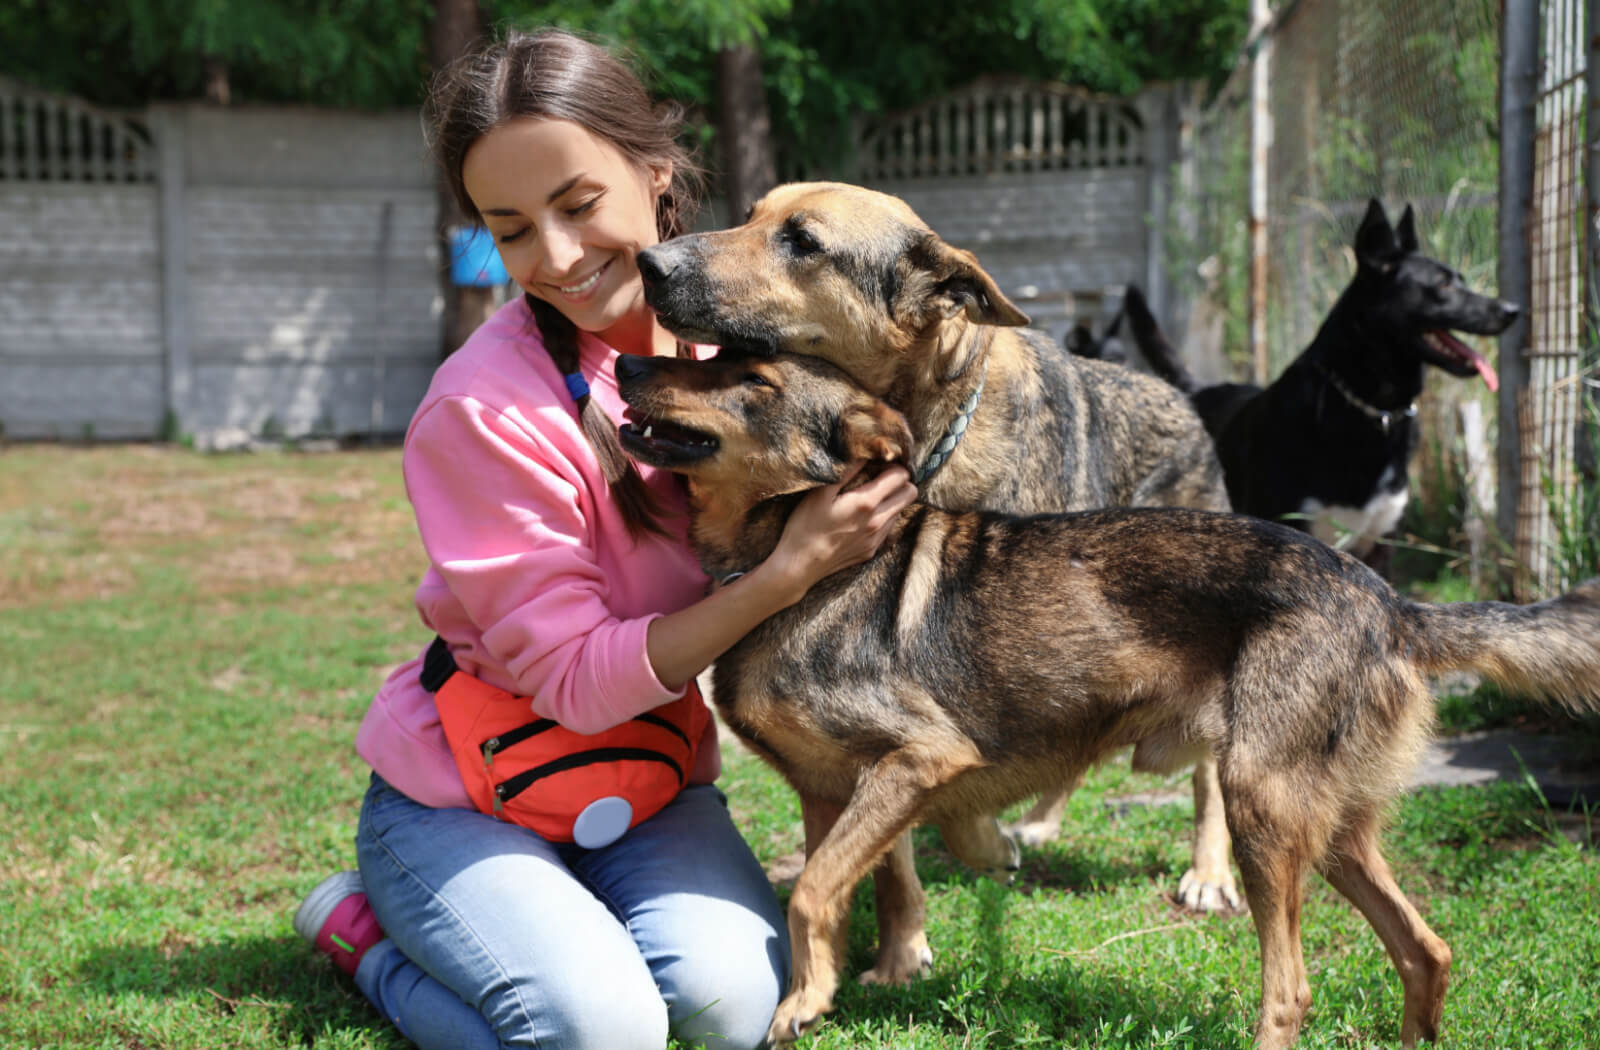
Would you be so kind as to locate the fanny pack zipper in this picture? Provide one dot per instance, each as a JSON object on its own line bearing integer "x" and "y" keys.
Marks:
{"x": 509, "y": 789}
{"x": 511, "y": 737}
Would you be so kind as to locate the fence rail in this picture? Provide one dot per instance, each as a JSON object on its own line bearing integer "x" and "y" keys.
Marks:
{"x": 1002, "y": 126}
{"x": 49, "y": 138}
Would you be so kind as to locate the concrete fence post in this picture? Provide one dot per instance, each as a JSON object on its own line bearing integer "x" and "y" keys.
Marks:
{"x": 167, "y": 127}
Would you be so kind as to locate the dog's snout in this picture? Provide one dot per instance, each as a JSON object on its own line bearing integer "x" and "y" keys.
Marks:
{"x": 655, "y": 264}
{"x": 631, "y": 366}
{"x": 1510, "y": 311}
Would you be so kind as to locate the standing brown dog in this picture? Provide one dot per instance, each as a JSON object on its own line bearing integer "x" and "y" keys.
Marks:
{"x": 980, "y": 657}
{"x": 1001, "y": 418}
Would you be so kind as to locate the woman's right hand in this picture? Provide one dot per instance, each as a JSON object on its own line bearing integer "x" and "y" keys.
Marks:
{"x": 834, "y": 527}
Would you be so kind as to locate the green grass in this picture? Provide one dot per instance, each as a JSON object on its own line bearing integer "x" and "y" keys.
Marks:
{"x": 187, "y": 644}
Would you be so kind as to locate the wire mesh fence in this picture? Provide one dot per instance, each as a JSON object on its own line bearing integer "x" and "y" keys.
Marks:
{"x": 1402, "y": 102}
{"x": 1550, "y": 502}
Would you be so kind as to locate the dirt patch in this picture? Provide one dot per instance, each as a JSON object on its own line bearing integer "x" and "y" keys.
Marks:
{"x": 93, "y": 523}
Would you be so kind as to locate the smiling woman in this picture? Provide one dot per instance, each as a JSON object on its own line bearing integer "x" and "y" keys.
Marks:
{"x": 570, "y": 231}
{"x": 544, "y": 856}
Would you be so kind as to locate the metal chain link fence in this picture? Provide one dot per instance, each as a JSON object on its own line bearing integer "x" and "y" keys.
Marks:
{"x": 1370, "y": 98}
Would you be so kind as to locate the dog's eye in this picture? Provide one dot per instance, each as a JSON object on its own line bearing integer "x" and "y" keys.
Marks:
{"x": 799, "y": 240}
{"x": 757, "y": 379}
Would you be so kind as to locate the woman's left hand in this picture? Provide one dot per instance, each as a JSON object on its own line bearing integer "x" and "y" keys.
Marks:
{"x": 835, "y": 527}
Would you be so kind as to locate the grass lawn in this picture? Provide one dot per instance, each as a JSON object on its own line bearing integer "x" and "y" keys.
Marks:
{"x": 187, "y": 644}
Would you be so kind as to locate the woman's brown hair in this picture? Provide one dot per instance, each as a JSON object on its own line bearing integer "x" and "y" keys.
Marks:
{"x": 555, "y": 75}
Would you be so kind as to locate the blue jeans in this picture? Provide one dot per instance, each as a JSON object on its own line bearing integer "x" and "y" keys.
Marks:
{"x": 496, "y": 937}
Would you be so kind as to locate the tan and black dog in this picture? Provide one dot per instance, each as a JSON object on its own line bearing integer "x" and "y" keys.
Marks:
{"x": 1002, "y": 418}
{"x": 979, "y": 657}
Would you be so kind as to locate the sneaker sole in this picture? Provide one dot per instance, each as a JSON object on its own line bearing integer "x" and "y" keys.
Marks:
{"x": 320, "y": 902}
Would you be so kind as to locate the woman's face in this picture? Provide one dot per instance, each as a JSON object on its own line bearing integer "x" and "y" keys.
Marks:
{"x": 570, "y": 215}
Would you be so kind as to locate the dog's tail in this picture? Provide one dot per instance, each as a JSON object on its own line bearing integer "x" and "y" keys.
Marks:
{"x": 1549, "y": 651}
{"x": 1152, "y": 341}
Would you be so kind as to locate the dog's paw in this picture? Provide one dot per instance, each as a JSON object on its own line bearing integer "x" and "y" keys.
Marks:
{"x": 900, "y": 965}
{"x": 1005, "y": 872}
{"x": 1212, "y": 894}
{"x": 795, "y": 1016}
{"x": 1034, "y": 832}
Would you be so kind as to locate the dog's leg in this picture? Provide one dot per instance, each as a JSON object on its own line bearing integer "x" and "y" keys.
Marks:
{"x": 818, "y": 817}
{"x": 981, "y": 844}
{"x": 1273, "y": 887}
{"x": 903, "y": 951}
{"x": 886, "y": 801}
{"x": 1208, "y": 884}
{"x": 1278, "y": 830}
{"x": 1356, "y": 869}
{"x": 900, "y": 904}
{"x": 1042, "y": 823}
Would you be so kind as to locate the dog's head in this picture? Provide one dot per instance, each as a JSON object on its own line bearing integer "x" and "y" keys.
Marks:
{"x": 829, "y": 270}
{"x": 751, "y": 427}
{"x": 1421, "y": 300}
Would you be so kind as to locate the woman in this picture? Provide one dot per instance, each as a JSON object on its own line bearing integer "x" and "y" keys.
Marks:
{"x": 560, "y": 581}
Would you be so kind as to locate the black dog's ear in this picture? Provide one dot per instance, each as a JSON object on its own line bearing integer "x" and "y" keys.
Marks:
{"x": 1406, "y": 231}
{"x": 956, "y": 283}
{"x": 1377, "y": 247}
{"x": 871, "y": 429}
{"x": 1080, "y": 340}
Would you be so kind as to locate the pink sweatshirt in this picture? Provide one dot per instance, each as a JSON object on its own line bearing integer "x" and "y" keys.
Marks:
{"x": 533, "y": 577}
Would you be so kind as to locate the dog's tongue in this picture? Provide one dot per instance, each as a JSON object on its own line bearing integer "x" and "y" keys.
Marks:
{"x": 1471, "y": 356}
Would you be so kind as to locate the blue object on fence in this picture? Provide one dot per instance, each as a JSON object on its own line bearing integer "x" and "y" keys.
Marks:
{"x": 474, "y": 262}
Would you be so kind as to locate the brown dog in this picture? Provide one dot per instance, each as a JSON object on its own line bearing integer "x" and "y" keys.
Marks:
{"x": 979, "y": 657}
{"x": 1001, "y": 418}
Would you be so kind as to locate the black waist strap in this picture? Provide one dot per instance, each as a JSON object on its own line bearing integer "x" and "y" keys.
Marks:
{"x": 437, "y": 666}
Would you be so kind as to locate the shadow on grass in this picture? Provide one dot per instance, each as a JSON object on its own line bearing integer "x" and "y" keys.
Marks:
{"x": 982, "y": 990}
{"x": 991, "y": 990}
{"x": 277, "y": 982}
{"x": 1054, "y": 867}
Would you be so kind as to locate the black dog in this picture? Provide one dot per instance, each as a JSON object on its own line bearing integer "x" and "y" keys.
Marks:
{"x": 1326, "y": 445}
{"x": 1081, "y": 341}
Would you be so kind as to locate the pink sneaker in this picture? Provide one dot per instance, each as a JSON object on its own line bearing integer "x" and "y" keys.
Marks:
{"x": 336, "y": 918}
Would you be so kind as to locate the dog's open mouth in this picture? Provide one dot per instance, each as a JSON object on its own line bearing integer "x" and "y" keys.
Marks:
{"x": 664, "y": 443}
{"x": 1455, "y": 356}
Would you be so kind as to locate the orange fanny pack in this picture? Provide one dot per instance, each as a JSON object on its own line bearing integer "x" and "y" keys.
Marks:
{"x": 567, "y": 786}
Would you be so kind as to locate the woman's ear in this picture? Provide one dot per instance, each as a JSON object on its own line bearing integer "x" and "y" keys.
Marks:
{"x": 660, "y": 178}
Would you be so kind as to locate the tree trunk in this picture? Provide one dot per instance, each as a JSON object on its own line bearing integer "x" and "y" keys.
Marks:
{"x": 456, "y": 25}
{"x": 744, "y": 129}
{"x": 218, "y": 91}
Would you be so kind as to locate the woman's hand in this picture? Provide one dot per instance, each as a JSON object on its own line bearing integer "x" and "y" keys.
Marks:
{"x": 834, "y": 528}
{"x": 829, "y": 530}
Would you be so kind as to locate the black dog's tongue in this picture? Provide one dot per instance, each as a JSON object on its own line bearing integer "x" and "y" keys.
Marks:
{"x": 1450, "y": 344}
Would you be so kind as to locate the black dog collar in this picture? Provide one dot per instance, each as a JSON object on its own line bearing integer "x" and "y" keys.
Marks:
{"x": 1385, "y": 418}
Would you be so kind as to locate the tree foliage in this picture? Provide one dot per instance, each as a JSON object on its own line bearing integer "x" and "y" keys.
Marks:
{"x": 824, "y": 61}
{"x": 357, "y": 53}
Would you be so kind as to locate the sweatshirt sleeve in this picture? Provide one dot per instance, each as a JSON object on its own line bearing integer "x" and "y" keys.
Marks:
{"x": 502, "y": 516}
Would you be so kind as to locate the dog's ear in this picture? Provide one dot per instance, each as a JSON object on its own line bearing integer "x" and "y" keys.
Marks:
{"x": 870, "y": 429}
{"x": 956, "y": 283}
{"x": 1080, "y": 341}
{"x": 1406, "y": 231}
{"x": 1377, "y": 247}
